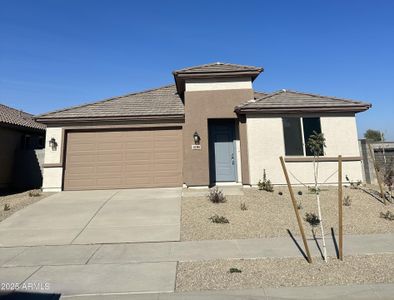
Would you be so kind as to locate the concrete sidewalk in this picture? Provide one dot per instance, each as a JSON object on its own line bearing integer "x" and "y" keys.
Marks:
{"x": 370, "y": 291}
{"x": 185, "y": 251}
{"x": 148, "y": 267}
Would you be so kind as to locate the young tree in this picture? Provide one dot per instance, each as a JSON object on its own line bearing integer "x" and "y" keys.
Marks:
{"x": 373, "y": 135}
{"x": 316, "y": 144}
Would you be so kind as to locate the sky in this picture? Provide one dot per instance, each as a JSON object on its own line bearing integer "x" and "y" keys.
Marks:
{"x": 60, "y": 53}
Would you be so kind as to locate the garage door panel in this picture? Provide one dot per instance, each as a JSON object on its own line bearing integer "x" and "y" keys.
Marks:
{"x": 123, "y": 159}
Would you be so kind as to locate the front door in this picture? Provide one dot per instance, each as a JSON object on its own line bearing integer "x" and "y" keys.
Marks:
{"x": 222, "y": 151}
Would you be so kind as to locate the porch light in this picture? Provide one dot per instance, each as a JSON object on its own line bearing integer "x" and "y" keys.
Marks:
{"x": 53, "y": 144}
{"x": 196, "y": 138}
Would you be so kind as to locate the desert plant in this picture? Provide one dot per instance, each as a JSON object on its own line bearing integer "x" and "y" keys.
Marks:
{"x": 216, "y": 196}
{"x": 265, "y": 184}
{"x": 347, "y": 201}
{"x": 388, "y": 215}
{"x": 235, "y": 270}
{"x": 316, "y": 144}
{"x": 353, "y": 184}
{"x": 312, "y": 219}
{"x": 7, "y": 207}
{"x": 299, "y": 205}
{"x": 34, "y": 193}
{"x": 243, "y": 206}
{"x": 219, "y": 219}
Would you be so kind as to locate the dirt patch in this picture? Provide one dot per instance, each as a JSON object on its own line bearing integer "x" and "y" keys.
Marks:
{"x": 286, "y": 272}
{"x": 270, "y": 214}
{"x": 17, "y": 201}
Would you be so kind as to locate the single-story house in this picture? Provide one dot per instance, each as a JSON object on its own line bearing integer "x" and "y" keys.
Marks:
{"x": 209, "y": 127}
{"x": 19, "y": 134}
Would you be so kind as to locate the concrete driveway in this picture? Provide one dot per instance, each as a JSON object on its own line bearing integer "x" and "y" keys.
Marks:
{"x": 92, "y": 217}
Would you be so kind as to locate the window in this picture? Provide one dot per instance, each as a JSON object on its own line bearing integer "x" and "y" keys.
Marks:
{"x": 297, "y": 132}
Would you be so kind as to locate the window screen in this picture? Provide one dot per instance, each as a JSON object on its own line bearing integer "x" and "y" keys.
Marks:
{"x": 293, "y": 136}
{"x": 310, "y": 125}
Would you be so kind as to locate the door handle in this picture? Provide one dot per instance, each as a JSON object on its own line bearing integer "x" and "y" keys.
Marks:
{"x": 232, "y": 158}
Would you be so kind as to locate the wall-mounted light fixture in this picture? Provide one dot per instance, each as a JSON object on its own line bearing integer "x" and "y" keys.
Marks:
{"x": 53, "y": 144}
{"x": 196, "y": 138}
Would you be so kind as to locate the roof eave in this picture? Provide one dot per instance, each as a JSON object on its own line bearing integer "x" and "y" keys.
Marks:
{"x": 53, "y": 120}
{"x": 297, "y": 110}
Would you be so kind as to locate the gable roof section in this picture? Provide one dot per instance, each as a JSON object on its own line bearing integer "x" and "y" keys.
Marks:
{"x": 16, "y": 118}
{"x": 217, "y": 67}
{"x": 163, "y": 101}
{"x": 214, "y": 70}
{"x": 286, "y": 101}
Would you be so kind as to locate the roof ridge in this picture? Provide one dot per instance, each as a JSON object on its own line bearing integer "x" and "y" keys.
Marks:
{"x": 312, "y": 95}
{"x": 104, "y": 100}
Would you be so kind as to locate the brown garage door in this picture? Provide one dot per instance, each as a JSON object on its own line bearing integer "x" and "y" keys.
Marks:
{"x": 123, "y": 159}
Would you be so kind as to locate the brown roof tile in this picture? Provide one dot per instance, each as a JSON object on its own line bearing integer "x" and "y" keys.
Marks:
{"x": 291, "y": 101}
{"x": 14, "y": 117}
{"x": 163, "y": 101}
{"x": 217, "y": 67}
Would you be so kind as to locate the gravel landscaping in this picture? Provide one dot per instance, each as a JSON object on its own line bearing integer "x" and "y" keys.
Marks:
{"x": 17, "y": 201}
{"x": 286, "y": 272}
{"x": 270, "y": 214}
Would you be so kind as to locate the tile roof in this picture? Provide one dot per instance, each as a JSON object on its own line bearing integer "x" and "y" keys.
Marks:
{"x": 292, "y": 101}
{"x": 162, "y": 101}
{"x": 217, "y": 67}
{"x": 14, "y": 117}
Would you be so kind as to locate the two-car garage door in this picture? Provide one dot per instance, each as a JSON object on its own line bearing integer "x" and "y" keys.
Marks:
{"x": 123, "y": 159}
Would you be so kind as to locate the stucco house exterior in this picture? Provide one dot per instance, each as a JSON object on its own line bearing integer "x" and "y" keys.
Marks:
{"x": 20, "y": 135}
{"x": 209, "y": 127}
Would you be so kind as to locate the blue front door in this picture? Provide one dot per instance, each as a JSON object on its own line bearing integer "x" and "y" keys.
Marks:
{"x": 222, "y": 152}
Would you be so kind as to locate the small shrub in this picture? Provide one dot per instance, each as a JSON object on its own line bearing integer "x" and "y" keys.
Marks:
{"x": 299, "y": 193}
{"x": 7, "y": 207}
{"x": 312, "y": 219}
{"x": 34, "y": 193}
{"x": 216, "y": 196}
{"x": 235, "y": 270}
{"x": 313, "y": 190}
{"x": 280, "y": 193}
{"x": 265, "y": 184}
{"x": 243, "y": 206}
{"x": 353, "y": 184}
{"x": 299, "y": 205}
{"x": 219, "y": 219}
{"x": 347, "y": 201}
{"x": 388, "y": 215}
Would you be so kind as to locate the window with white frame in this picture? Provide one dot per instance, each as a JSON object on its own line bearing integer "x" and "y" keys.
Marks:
{"x": 297, "y": 132}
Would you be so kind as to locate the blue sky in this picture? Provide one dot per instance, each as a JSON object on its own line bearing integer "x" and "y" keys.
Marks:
{"x": 60, "y": 53}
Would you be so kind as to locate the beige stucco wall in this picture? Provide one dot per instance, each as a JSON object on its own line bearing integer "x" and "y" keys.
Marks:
{"x": 53, "y": 169}
{"x": 215, "y": 84}
{"x": 266, "y": 145}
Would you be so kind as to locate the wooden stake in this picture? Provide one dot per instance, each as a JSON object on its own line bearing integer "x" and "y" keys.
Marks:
{"x": 340, "y": 206}
{"x": 377, "y": 174}
{"x": 299, "y": 221}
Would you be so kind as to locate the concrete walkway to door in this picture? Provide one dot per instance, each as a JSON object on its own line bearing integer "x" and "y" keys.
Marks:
{"x": 96, "y": 217}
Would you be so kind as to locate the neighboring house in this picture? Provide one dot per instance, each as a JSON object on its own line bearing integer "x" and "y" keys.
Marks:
{"x": 210, "y": 127}
{"x": 20, "y": 135}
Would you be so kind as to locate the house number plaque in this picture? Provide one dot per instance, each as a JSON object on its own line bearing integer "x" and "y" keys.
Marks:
{"x": 196, "y": 147}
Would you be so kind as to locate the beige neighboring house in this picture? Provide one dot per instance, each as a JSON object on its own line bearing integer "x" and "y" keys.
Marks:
{"x": 19, "y": 135}
{"x": 210, "y": 127}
